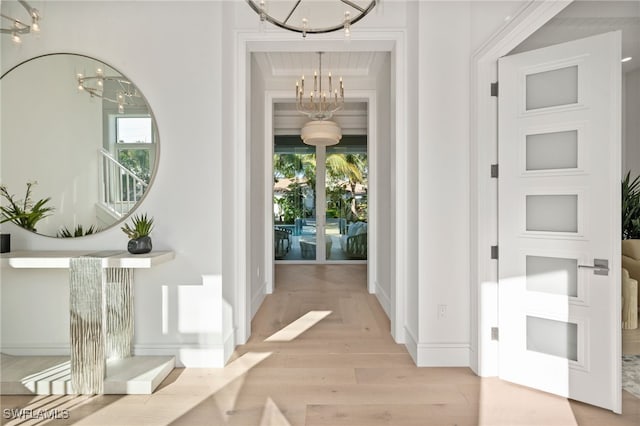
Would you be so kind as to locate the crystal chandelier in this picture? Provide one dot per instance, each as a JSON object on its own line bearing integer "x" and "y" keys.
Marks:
{"x": 19, "y": 27}
{"x": 312, "y": 16}
{"x": 319, "y": 103}
{"x": 123, "y": 92}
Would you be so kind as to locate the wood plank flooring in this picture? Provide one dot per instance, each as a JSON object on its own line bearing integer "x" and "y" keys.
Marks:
{"x": 321, "y": 355}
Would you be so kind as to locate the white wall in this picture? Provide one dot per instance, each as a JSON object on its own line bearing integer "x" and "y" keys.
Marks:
{"x": 631, "y": 132}
{"x": 180, "y": 74}
{"x": 449, "y": 33}
{"x": 443, "y": 183}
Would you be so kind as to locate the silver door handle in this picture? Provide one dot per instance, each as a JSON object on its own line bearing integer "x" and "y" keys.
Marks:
{"x": 600, "y": 267}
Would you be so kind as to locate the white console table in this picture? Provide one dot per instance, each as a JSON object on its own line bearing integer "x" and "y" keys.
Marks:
{"x": 101, "y": 310}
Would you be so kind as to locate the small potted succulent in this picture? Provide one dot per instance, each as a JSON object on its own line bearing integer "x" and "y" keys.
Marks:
{"x": 138, "y": 233}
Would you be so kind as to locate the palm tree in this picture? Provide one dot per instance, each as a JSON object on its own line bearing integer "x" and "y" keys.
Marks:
{"x": 352, "y": 167}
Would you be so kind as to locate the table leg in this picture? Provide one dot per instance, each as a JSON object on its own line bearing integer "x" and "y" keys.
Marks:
{"x": 87, "y": 310}
{"x": 119, "y": 315}
{"x": 101, "y": 308}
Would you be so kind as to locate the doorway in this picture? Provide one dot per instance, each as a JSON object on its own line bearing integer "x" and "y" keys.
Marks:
{"x": 320, "y": 200}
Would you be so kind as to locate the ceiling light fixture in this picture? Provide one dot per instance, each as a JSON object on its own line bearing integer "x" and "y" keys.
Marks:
{"x": 312, "y": 16}
{"x": 627, "y": 59}
{"x": 321, "y": 133}
{"x": 122, "y": 93}
{"x": 19, "y": 27}
{"x": 319, "y": 103}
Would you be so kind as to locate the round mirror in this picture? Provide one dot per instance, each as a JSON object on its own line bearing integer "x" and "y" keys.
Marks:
{"x": 77, "y": 136}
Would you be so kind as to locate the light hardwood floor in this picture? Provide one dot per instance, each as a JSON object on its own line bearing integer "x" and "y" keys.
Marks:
{"x": 321, "y": 354}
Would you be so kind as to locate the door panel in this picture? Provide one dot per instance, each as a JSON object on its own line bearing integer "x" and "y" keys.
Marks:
{"x": 559, "y": 210}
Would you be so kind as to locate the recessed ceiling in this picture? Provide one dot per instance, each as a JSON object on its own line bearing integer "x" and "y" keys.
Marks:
{"x": 294, "y": 64}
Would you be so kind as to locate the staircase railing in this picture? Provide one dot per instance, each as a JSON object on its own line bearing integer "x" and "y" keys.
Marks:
{"x": 120, "y": 188}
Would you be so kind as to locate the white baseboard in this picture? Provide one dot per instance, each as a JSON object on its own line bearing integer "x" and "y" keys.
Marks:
{"x": 229, "y": 344}
{"x": 193, "y": 356}
{"x": 187, "y": 355}
{"x": 36, "y": 349}
{"x": 258, "y": 298}
{"x": 437, "y": 354}
{"x": 384, "y": 299}
{"x": 411, "y": 344}
{"x": 443, "y": 355}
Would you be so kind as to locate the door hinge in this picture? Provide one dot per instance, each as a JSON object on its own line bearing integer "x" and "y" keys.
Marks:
{"x": 494, "y": 170}
{"x": 494, "y": 89}
{"x": 494, "y": 252}
{"x": 495, "y": 333}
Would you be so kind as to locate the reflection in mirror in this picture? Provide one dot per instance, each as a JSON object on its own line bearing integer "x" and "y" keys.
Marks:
{"x": 84, "y": 133}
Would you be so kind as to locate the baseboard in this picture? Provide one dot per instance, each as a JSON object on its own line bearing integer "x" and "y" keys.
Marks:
{"x": 443, "y": 355}
{"x": 411, "y": 344}
{"x": 473, "y": 361}
{"x": 197, "y": 356}
{"x": 384, "y": 299}
{"x": 229, "y": 344}
{"x": 258, "y": 298}
{"x": 193, "y": 356}
{"x": 36, "y": 349}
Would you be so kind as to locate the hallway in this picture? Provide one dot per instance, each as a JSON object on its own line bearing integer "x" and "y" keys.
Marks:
{"x": 321, "y": 354}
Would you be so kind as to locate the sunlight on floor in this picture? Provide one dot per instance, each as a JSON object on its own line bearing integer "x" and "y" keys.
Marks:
{"x": 57, "y": 377}
{"x": 298, "y": 327}
{"x": 272, "y": 416}
{"x": 503, "y": 403}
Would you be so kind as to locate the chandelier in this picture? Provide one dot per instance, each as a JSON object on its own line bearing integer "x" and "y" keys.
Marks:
{"x": 119, "y": 91}
{"x": 319, "y": 103}
{"x": 20, "y": 27}
{"x": 312, "y": 16}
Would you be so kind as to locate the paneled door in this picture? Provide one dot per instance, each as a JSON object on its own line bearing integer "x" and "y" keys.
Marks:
{"x": 559, "y": 219}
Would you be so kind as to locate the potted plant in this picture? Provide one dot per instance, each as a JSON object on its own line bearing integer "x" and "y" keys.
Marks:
{"x": 138, "y": 233}
{"x": 630, "y": 207}
{"x": 24, "y": 213}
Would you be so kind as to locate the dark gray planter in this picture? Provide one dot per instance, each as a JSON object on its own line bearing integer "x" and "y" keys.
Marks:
{"x": 5, "y": 243}
{"x": 139, "y": 245}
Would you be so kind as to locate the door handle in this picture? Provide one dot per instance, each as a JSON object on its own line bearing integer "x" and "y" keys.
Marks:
{"x": 600, "y": 267}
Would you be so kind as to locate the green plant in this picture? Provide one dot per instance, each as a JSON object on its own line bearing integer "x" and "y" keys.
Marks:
{"x": 141, "y": 226}
{"x": 630, "y": 207}
{"x": 26, "y": 213}
{"x": 79, "y": 231}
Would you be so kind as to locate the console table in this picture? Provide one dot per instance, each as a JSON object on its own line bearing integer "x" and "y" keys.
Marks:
{"x": 101, "y": 306}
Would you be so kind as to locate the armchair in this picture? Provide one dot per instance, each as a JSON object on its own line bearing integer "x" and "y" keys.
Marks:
{"x": 281, "y": 241}
{"x": 354, "y": 243}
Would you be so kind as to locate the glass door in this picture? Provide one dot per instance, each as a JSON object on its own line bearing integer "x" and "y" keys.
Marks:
{"x": 320, "y": 200}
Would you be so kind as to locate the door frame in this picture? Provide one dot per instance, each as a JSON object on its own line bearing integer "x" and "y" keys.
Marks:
{"x": 484, "y": 189}
{"x": 367, "y": 96}
{"x": 484, "y": 214}
{"x": 246, "y": 42}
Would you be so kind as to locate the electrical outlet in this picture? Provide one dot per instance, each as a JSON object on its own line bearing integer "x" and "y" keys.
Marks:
{"x": 442, "y": 311}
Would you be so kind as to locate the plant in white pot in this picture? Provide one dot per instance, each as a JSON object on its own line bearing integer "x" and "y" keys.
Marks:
{"x": 138, "y": 233}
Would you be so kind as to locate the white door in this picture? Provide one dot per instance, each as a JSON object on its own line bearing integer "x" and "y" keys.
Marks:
{"x": 559, "y": 215}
